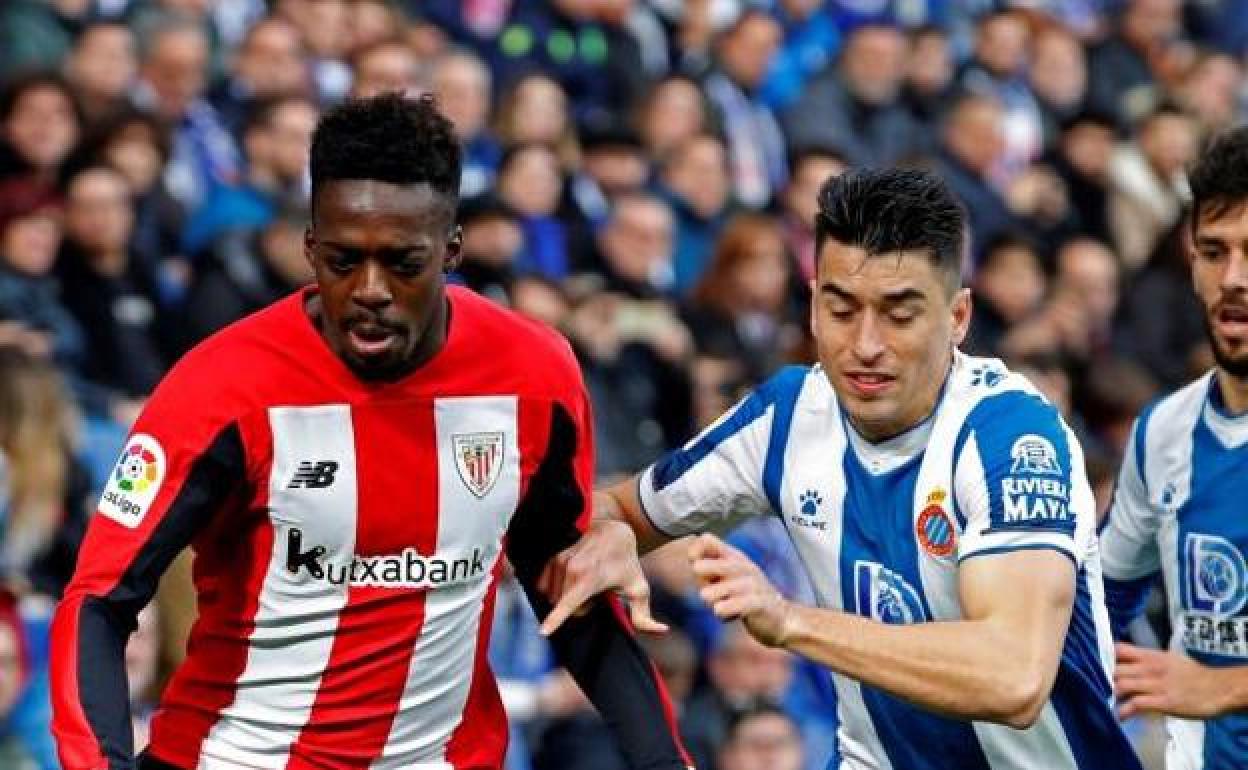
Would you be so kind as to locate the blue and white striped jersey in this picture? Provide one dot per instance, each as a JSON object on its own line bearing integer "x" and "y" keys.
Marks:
{"x": 882, "y": 528}
{"x": 1180, "y": 508}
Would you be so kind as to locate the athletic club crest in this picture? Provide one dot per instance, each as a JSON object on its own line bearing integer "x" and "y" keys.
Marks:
{"x": 479, "y": 459}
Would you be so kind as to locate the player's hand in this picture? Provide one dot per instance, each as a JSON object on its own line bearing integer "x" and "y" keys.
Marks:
{"x": 735, "y": 587}
{"x": 604, "y": 559}
{"x": 1166, "y": 682}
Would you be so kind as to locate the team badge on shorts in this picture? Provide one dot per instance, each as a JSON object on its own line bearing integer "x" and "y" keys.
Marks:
{"x": 479, "y": 459}
{"x": 934, "y": 528}
{"x": 135, "y": 480}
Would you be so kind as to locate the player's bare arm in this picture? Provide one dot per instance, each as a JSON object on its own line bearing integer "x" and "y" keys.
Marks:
{"x": 997, "y": 665}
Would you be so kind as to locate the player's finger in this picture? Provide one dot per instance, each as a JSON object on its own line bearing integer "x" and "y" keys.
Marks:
{"x": 1128, "y": 652}
{"x": 719, "y": 567}
{"x": 568, "y": 605}
{"x": 731, "y": 608}
{"x": 639, "y": 614}
{"x": 1140, "y": 704}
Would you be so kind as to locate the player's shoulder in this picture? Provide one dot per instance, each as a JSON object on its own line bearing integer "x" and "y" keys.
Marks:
{"x": 1173, "y": 412}
{"x": 514, "y": 342}
{"x": 1000, "y": 405}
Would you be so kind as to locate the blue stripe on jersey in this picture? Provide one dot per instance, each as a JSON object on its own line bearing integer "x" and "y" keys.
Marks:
{"x": 784, "y": 388}
{"x": 1125, "y": 600}
{"x": 1141, "y": 433}
{"x": 1081, "y": 651}
{"x": 1026, "y": 459}
{"x": 780, "y": 391}
{"x": 1226, "y": 742}
{"x": 1096, "y": 740}
{"x": 876, "y": 508}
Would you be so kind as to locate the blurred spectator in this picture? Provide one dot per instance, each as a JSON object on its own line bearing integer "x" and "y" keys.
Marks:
{"x": 740, "y": 307}
{"x": 373, "y": 22}
{"x": 269, "y": 63}
{"x": 1058, "y": 74}
{"x": 856, "y": 106}
{"x": 31, "y": 312}
{"x": 740, "y": 672}
{"x": 387, "y": 65}
{"x": 694, "y": 178}
{"x": 493, "y": 240}
{"x": 998, "y": 70}
{"x": 138, "y": 145}
{"x": 542, "y": 300}
{"x": 674, "y": 111}
{"x": 1009, "y": 286}
{"x": 37, "y": 33}
{"x": 810, "y": 39}
{"x": 102, "y": 68}
{"x": 590, "y": 53}
{"x": 929, "y": 74}
{"x": 276, "y": 140}
{"x": 114, "y": 301}
{"x": 761, "y": 737}
{"x": 143, "y": 672}
{"x": 1210, "y": 91}
{"x": 535, "y": 109}
{"x": 531, "y": 182}
{"x": 43, "y": 494}
{"x": 635, "y": 247}
{"x": 1148, "y": 183}
{"x": 1123, "y": 68}
{"x": 173, "y": 76}
{"x": 462, "y": 84}
{"x": 246, "y": 269}
{"x": 325, "y": 28}
{"x": 1168, "y": 344}
{"x": 25, "y": 708}
{"x": 973, "y": 146}
{"x": 613, "y": 163}
{"x": 1081, "y": 157}
{"x": 755, "y": 144}
{"x": 39, "y": 125}
{"x": 811, "y": 167}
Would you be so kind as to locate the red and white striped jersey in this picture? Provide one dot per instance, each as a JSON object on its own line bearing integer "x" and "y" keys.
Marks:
{"x": 348, "y": 538}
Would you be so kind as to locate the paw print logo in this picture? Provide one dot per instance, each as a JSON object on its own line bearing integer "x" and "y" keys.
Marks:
{"x": 986, "y": 375}
{"x": 810, "y": 501}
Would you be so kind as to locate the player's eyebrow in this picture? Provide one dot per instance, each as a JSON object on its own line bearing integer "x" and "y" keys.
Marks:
{"x": 902, "y": 296}
{"x": 828, "y": 287}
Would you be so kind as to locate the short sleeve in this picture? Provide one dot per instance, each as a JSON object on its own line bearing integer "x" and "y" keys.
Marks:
{"x": 1129, "y": 537}
{"x": 1019, "y": 480}
{"x": 716, "y": 480}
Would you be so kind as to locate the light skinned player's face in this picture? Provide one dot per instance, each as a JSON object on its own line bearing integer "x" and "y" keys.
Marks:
{"x": 885, "y": 327}
{"x": 1220, "y": 275}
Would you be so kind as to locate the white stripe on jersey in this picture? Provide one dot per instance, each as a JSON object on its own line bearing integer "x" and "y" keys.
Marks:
{"x": 440, "y": 672}
{"x": 297, "y": 616}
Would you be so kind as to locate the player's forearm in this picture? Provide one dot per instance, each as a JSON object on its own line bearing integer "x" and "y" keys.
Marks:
{"x": 621, "y": 502}
{"x": 963, "y": 669}
{"x": 1233, "y": 681}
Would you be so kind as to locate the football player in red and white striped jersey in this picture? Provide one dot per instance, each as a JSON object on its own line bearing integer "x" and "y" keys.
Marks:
{"x": 351, "y": 466}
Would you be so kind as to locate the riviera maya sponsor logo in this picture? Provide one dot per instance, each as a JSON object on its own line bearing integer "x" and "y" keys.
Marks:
{"x": 135, "y": 480}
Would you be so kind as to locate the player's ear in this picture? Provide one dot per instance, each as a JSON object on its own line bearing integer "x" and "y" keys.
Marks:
{"x": 961, "y": 315}
{"x": 454, "y": 250}
{"x": 309, "y": 246}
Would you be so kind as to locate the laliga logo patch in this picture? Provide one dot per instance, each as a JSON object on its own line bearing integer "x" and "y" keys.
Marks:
{"x": 934, "y": 528}
{"x": 135, "y": 480}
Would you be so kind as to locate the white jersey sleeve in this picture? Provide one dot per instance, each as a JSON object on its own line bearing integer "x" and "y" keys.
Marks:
{"x": 720, "y": 477}
{"x": 1129, "y": 537}
{"x": 1019, "y": 481}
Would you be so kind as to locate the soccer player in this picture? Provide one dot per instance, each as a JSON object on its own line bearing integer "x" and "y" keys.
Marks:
{"x": 1180, "y": 503}
{"x": 350, "y": 466}
{"x": 937, "y": 501}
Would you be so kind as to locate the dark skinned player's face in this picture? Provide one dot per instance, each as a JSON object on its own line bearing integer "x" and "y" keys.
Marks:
{"x": 380, "y": 252}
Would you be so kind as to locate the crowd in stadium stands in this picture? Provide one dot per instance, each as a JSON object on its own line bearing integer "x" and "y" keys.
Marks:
{"x": 640, "y": 175}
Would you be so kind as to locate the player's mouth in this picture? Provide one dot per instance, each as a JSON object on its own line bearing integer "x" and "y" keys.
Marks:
{"x": 1231, "y": 322}
{"x": 869, "y": 384}
{"x": 370, "y": 340}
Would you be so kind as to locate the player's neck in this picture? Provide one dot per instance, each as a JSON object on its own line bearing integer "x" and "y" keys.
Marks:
{"x": 1233, "y": 391}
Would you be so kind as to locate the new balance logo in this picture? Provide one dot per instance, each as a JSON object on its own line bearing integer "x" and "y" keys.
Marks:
{"x": 314, "y": 475}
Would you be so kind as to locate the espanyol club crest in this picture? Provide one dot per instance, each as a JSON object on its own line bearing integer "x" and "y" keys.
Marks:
{"x": 479, "y": 459}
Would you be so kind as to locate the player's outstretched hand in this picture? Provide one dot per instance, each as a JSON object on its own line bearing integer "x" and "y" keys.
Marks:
{"x": 1166, "y": 682}
{"x": 604, "y": 559}
{"x": 735, "y": 587}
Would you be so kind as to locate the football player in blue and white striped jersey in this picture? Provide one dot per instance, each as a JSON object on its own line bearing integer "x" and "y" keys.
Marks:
{"x": 1181, "y": 506}
{"x": 937, "y": 501}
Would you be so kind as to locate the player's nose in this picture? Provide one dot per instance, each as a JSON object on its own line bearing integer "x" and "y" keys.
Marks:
{"x": 868, "y": 342}
{"x": 371, "y": 287}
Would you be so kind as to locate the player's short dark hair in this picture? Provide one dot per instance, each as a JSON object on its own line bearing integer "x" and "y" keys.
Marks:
{"x": 1219, "y": 178}
{"x": 888, "y": 211}
{"x": 387, "y": 138}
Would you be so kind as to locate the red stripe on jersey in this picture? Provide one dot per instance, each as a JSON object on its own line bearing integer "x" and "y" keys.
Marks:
{"x": 478, "y": 742}
{"x": 65, "y": 699}
{"x": 379, "y": 626}
{"x": 228, "y": 584}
